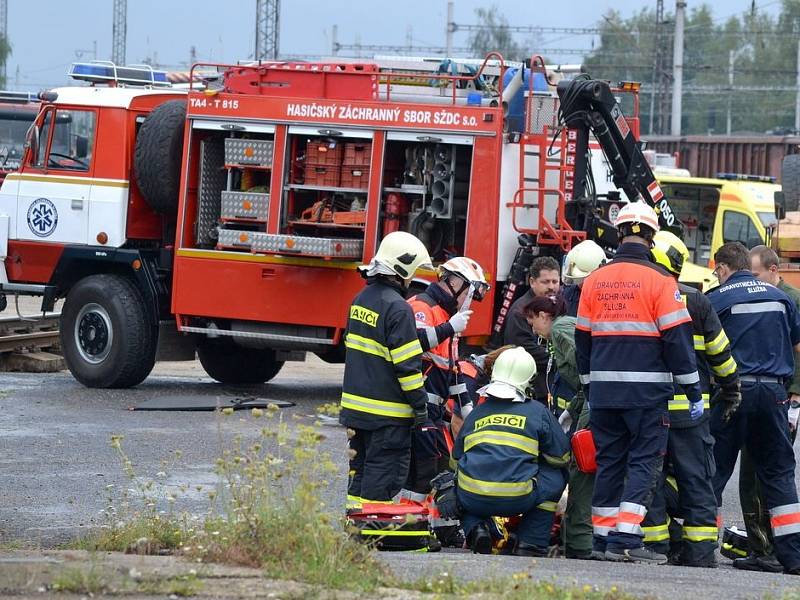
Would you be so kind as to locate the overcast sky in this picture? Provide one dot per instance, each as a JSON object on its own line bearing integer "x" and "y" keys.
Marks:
{"x": 47, "y": 35}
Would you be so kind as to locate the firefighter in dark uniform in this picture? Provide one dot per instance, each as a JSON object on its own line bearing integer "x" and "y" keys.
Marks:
{"x": 511, "y": 457}
{"x": 439, "y": 322}
{"x": 690, "y": 447}
{"x": 633, "y": 343}
{"x": 383, "y": 393}
{"x": 762, "y": 325}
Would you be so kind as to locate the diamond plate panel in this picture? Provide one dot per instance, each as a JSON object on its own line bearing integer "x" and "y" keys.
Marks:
{"x": 248, "y": 206}
{"x": 257, "y": 153}
{"x": 213, "y": 180}
{"x": 307, "y": 246}
{"x": 231, "y": 238}
{"x": 542, "y": 111}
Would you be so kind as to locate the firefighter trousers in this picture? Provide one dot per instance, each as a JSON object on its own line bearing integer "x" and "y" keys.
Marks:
{"x": 379, "y": 462}
{"x": 754, "y": 506}
{"x": 577, "y": 523}
{"x": 537, "y": 508}
{"x": 630, "y": 447}
{"x": 690, "y": 456}
{"x": 761, "y": 425}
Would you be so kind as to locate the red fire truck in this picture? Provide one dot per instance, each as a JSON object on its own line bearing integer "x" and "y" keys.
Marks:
{"x": 235, "y": 214}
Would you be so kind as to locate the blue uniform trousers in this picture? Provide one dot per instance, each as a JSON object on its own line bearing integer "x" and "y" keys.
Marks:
{"x": 761, "y": 424}
{"x": 537, "y": 508}
{"x": 630, "y": 445}
{"x": 690, "y": 456}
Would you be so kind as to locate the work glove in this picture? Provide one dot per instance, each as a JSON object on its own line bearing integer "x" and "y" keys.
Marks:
{"x": 731, "y": 397}
{"x": 696, "y": 410}
{"x": 794, "y": 415}
{"x": 565, "y": 420}
{"x": 420, "y": 416}
{"x": 460, "y": 320}
{"x": 444, "y": 495}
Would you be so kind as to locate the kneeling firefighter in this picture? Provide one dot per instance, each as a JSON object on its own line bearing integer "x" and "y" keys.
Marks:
{"x": 690, "y": 446}
{"x": 505, "y": 451}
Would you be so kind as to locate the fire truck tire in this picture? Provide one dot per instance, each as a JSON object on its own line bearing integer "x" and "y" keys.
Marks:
{"x": 226, "y": 362}
{"x": 157, "y": 159}
{"x": 790, "y": 181}
{"x": 107, "y": 336}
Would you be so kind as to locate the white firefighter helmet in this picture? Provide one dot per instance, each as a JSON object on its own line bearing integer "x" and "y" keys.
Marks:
{"x": 468, "y": 270}
{"x": 511, "y": 375}
{"x": 402, "y": 254}
{"x": 636, "y": 214}
{"x": 582, "y": 260}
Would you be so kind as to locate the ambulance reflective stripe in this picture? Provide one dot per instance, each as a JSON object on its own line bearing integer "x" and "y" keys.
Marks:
{"x": 459, "y": 388}
{"x": 674, "y": 318}
{"x": 411, "y": 382}
{"x": 437, "y": 360}
{"x": 502, "y": 438}
{"x": 604, "y": 519}
{"x": 366, "y": 345}
{"x": 757, "y": 307}
{"x": 493, "y": 488}
{"x": 699, "y": 343}
{"x": 430, "y": 333}
{"x": 700, "y": 534}
{"x": 624, "y": 328}
{"x": 583, "y": 323}
{"x": 718, "y": 344}
{"x": 406, "y": 351}
{"x": 785, "y": 519}
{"x": 548, "y": 506}
{"x": 681, "y": 402}
{"x": 377, "y": 407}
{"x": 656, "y": 533}
{"x": 630, "y": 517}
{"x": 631, "y": 376}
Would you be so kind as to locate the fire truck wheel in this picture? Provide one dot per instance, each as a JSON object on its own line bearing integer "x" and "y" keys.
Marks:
{"x": 790, "y": 181}
{"x": 226, "y": 362}
{"x": 107, "y": 336}
{"x": 157, "y": 160}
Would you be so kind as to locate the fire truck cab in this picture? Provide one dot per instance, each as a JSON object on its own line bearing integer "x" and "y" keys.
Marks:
{"x": 236, "y": 212}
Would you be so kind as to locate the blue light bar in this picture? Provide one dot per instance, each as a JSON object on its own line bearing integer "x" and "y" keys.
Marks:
{"x": 745, "y": 177}
{"x": 108, "y": 72}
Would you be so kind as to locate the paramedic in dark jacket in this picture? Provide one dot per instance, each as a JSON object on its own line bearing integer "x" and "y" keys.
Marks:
{"x": 544, "y": 281}
{"x": 511, "y": 457}
{"x": 763, "y": 328}
{"x": 633, "y": 341}
{"x": 382, "y": 393}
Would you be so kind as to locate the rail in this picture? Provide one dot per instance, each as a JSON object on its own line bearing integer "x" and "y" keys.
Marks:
{"x": 561, "y": 235}
{"x": 384, "y": 78}
{"x": 20, "y": 334}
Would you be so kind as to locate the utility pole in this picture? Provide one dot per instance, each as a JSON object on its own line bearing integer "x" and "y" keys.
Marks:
{"x": 334, "y": 40}
{"x": 731, "y": 58}
{"x": 657, "y": 62}
{"x": 451, "y": 27}
{"x": 268, "y": 17}
{"x": 677, "y": 68}
{"x": 797, "y": 96}
{"x": 4, "y": 33}
{"x": 119, "y": 32}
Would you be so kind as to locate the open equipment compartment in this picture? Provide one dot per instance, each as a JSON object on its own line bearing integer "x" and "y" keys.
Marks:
{"x": 426, "y": 183}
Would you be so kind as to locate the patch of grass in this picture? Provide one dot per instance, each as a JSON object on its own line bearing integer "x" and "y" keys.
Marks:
{"x": 180, "y": 585}
{"x": 329, "y": 409}
{"x": 80, "y": 581}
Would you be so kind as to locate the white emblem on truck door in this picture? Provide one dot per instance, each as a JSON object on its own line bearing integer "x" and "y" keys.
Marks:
{"x": 42, "y": 217}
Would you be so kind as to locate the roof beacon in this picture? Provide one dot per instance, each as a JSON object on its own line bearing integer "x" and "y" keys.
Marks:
{"x": 111, "y": 74}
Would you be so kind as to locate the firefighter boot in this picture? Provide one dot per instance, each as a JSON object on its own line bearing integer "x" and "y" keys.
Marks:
{"x": 636, "y": 555}
{"x": 479, "y": 539}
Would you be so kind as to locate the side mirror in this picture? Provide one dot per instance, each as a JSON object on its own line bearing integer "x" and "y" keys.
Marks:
{"x": 780, "y": 205}
{"x": 81, "y": 146}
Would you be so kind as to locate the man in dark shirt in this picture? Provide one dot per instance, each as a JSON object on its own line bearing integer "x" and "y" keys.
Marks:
{"x": 544, "y": 280}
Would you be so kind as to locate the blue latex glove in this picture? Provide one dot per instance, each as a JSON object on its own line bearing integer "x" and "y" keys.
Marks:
{"x": 696, "y": 410}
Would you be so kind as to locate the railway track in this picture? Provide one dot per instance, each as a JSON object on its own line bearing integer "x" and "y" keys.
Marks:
{"x": 28, "y": 334}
